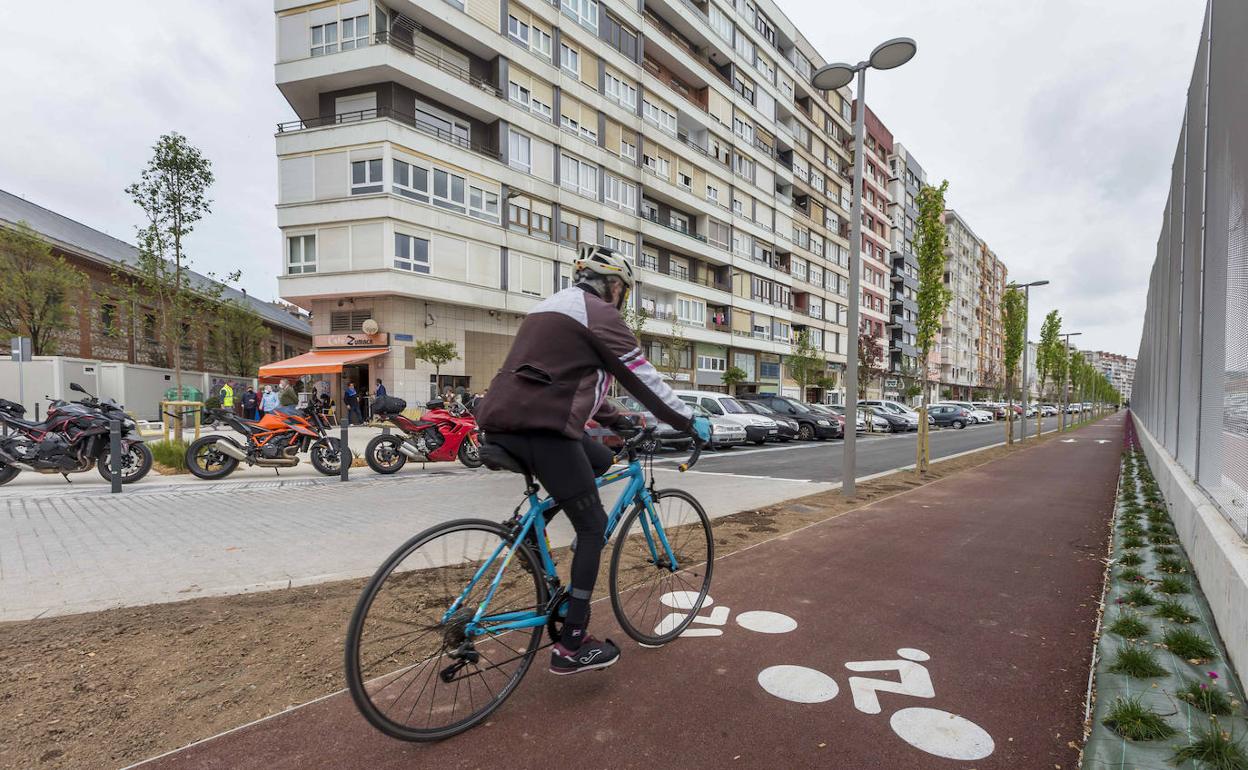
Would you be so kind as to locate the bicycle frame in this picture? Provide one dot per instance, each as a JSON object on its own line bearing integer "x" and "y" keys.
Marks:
{"x": 635, "y": 491}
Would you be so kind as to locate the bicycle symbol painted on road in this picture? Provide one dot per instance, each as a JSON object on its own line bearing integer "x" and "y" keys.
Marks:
{"x": 931, "y": 730}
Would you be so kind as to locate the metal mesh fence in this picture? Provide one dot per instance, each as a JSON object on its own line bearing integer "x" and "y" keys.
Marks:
{"x": 1191, "y": 378}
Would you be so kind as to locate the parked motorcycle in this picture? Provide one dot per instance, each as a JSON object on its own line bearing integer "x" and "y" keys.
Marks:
{"x": 442, "y": 434}
{"x": 273, "y": 441}
{"x": 73, "y": 437}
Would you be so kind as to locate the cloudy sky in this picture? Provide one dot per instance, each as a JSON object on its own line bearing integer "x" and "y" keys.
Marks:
{"x": 1055, "y": 122}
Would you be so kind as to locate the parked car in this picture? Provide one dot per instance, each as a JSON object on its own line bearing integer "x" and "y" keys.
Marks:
{"x": 860, "y": 424}
{"x": 725, "y": 432}
{"x": 812, "y": 424}
{"x": 1048, "y": 410}
{"x": 976, "y": 415}
{"x": 894, "y": 423}
{"x": 757, "y": 427}
{"x": 950, "y": 416}
{"x": 895, "y": 407}
{"x": 787, "y": 425}
{"x": 666, "y": 436}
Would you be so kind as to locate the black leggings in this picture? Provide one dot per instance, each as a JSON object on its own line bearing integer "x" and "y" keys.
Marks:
{"x": 567, "y": 468}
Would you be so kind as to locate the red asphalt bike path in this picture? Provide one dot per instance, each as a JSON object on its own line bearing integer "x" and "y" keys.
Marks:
{"x": 974, "y": 596}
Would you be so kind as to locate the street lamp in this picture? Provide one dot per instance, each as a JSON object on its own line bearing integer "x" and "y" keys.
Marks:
{"x": 886, "y": 56}
{"x": 1066, "y": 376}
{"x": 1026, "y": 287}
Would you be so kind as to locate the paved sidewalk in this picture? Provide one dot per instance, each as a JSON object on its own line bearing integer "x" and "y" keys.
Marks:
{"x": 964, "y": 610}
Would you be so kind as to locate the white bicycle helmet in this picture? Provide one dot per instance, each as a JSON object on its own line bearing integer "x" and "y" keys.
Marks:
{"x": 605, "y": 262}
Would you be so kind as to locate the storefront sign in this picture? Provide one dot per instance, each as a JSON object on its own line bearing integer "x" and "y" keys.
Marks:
{"x": 352, "y": 340}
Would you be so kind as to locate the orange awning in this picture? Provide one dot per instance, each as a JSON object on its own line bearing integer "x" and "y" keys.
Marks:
{"x": 318, "y": 362}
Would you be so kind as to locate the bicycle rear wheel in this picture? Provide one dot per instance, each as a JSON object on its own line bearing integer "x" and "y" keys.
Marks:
{"x": 653, "y": 599}
{"x": 413, "y": 672}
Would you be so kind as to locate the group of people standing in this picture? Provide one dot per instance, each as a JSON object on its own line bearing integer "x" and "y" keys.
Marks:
{"x": 258, "y": 404}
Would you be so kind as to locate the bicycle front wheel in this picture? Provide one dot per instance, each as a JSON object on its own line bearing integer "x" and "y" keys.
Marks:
{"x": 413, "y": 666}
{"x": 661, "y": 567}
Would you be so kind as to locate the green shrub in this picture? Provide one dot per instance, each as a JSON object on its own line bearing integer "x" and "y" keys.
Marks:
{"x": 1136, "y": 722}
{"x": 1205, "y": 696}
{"x": 171, "y": 454}
{"x": 1188, "y": 644}
{"x": 1139, "y": 597}
{"x": 1138, "y": 662}
{"x": 1163, "y": 550}
{"x": 1129, "y": 625}
{"x": 1171, "y": 566}
{"x": 1130, "y": 560}
{"x": 1131, "y": 575}
{"x": 1172, "y": 584}
{"x": 1161, "y": 538}
{"x": 1213, "y": 748}
{"x": 1132, "y": 541}
{"x": 1173, "y": 610}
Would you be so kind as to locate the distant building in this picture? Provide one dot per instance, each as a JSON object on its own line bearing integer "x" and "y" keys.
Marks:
{"x": 108, "y": 330}
{"x": 906, "y": 179}
{"x": 1119, "y": 370}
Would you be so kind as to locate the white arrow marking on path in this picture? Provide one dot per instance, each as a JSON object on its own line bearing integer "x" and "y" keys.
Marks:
{"x": 1069, "y": 440}
{"x": 1102, "y": 441}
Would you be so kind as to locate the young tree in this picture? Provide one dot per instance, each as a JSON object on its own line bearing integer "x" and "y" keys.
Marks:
{"x": 1014, "y": 322}
{"x": 37, "y": 288}
{"x": 173, "y": 193}
{"x": 674, "y": 348}
{"x": 732, "y": 377}
{"x": 1046, "y": 367}
{"x": 805, "y": 364}
{"x": 933, "y": 295}
{"x": 870, "y": 360}
{"x": 239, "y": 337}
{"x": 635, "y": 318}
{"x": 436, "y": 352}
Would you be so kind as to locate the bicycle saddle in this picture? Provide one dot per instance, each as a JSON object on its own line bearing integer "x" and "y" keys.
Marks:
{"x": 496, "y": 458}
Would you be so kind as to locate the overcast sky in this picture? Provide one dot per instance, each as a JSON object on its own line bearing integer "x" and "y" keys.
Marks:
{"x": 1055, "y": 122}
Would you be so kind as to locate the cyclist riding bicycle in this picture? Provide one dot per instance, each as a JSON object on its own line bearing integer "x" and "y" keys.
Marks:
{"x": 555, "y": 378}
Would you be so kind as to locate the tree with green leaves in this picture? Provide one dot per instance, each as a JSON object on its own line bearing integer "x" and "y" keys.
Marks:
{"x": 732, "y": 377}
{"x": 1046, "y": 365}
{"x": 930, "y": 241}
{"x": 635, "y": 318}
{"x": 870, "y": 360}
{"x": 1014, "y": 323}
{"x": 805, "y": 363}
{"x": 172, "y": 191}
{"x": 437, "y": 353}
{"x": 238, "y": 338}
{"x": 38, "y": 289}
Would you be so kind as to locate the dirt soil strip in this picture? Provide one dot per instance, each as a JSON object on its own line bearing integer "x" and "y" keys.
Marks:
{"x": 995, "y": 574}
{"x": 109, "y": 688}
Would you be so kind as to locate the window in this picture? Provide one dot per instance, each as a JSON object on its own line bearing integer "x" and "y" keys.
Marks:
{"x": 717, "y": 233}
{"x": 619, "y": 37}
{"x": 799, "y": 269}
{"x": 743, "y": 166}
{"x": 518, "y": 94}
{"x": 620, "y": 91}
{"x": 712, "y": 363}
{"x": 712, "y": 193}
{"x": 742, "y": 243}
{"x": 325, "y": 39}
{"x": 627, "y": 248}
{"x": 659, "y": 166}
{"x": 816, "y": 338}
{"x": 720, "y": 22}
{"x": 570, "y": 59}
{"x": 539, "y": 43}
{"x": 768, "y": 370}
{"x": 690, "y": 311}
{"x": 649, "y": 261}
{"x": 449, "y": 191}
{"x": 366, "y": 176}
{"x": 684, "y": 180}
{"x": 743, "y": 129}
{"x": 584, "y": 12}
{"x": 411, "y": 181}
{"x": 569, "y": 228}
{"x": 679, "y": 222}
{"x": 355, "y": 33}
{"x": 301, "y": 254}
{"x": 411, "y": 253}
{"x": 745, "y": 47}
{"x": 659, "y": 116}
{"x": 628, "y": 150}
{"x": 483, "y": 204}
{"x": 519, "y": 152}
{"x": 108, "y": 319}
{"x": 523, "y": 220}
{"x": 745, "y": 88}
{"x": 619, "y": 193}
{"x": 578, "y": 176}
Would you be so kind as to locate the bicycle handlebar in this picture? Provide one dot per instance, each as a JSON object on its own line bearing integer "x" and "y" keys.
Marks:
{"x": 693, "y": 458}
{"x": 631, "y": 444}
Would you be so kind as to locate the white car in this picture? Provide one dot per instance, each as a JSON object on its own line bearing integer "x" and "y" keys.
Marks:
{"x": 899, "y": 409}
{"x": 724, "y": 432}
{"x": 977, "y": 415}
{"x": 758, "y": 428}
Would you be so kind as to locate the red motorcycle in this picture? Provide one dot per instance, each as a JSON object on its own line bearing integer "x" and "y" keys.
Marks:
{"x": 442, "y": 434}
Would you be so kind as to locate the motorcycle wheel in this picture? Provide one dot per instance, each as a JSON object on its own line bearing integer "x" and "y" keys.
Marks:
{"x": 8, "y": 473}
{"x": 383, "y": 454}
{"x": 326, "y": 456}
{"x": 205, "y": 461}
{"x": 134, "y": 466}
{"x": 470, "y": 453}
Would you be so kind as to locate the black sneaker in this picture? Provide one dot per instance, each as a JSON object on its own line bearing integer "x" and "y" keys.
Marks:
{"x": 591, "y": 655}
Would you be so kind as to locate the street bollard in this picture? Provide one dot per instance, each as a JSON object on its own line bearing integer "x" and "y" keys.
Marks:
{"x": 114, "y": 454}
{"x": 344, "y": 454}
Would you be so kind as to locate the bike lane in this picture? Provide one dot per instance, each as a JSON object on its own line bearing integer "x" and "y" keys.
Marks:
{"x": 965, "y": 610}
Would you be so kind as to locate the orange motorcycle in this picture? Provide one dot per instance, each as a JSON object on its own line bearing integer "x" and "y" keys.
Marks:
{"x": 273, "y": 441}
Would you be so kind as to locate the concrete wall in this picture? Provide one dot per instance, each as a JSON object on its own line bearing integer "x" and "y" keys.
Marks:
{"x": 1218, "y": 554}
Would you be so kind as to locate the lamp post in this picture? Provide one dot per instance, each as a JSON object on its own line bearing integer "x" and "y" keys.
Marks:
{"x": 1066, "y": 376}
{"x": 1026, "y": 287}
{"x": 830, "y": 77}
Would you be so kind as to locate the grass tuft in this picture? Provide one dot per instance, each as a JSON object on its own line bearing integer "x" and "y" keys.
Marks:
{"x": 1213, "y": 748}
{"x": 1172, "y": 584}
{"x": 171, "y": 454}
{"x": 1161, "y": 538}
{"x": 1163, "y": 550}
{"x": 1131, "y": 529}
{"x": 1171, "y": 566}
{"x": 1139, "y": 597}
{"x": 1137, "y": 662}
{"x": 1131, "y": 719}
{"x": 1188, "y": 644}
{"x": 1129, "y": 625}
{"x": 1174, "y": 611}
{"x": 1130, "y": 560}
{"x": 1205, "y": 696}
{"x": 1131, "y": 575}
{"x": 1132, "y": 541}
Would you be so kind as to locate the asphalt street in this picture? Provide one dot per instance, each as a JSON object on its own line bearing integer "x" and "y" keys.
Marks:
{"x": 877, "y": 453}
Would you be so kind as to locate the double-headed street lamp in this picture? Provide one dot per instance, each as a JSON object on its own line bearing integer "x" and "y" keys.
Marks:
{"x": 886, "y": 56}
{"x": 1065, "y": 377}
{"x": 1026, "y": 287}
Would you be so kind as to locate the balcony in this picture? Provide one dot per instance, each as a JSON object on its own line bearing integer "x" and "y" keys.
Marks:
{"x": 411, "y": 121}
{"x": 431, "y": 58}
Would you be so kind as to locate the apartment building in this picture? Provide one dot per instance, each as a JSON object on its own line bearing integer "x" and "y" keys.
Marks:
{"x": 875, "y": 279}
{"x": 449, "y": 155}
{"x": 906, "y": 179}
{"x": 989, "y": 327}
{"x": 1118, "y": 369}
{"x": 959, "y": 358}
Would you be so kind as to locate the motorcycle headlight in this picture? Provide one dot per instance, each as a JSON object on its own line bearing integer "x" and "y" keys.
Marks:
{"x": 824, "y": 423}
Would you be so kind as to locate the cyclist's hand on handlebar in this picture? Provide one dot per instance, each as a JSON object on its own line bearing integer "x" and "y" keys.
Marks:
{"x": 623, "y": 426}
{"x": 702, "y": 429}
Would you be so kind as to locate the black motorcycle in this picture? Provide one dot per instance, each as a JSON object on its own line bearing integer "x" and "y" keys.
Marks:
{"x": 73, "y": 437}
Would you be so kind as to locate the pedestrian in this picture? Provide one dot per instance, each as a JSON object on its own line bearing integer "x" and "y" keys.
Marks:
{"x": 351, "y": 398}
{"x": 286, "y": 395}
{"x": 227, "y": 396}
{"x": 268, "y": 401}
{"x": 380, "y": 390}
{"x": 249, "y": 403}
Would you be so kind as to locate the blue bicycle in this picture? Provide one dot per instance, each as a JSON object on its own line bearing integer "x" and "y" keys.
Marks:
{"x": 447, "y": 627}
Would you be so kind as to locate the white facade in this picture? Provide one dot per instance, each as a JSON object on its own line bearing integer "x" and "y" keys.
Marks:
{"x": 450, "y": 156}
{"x": 959, "y": 363}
